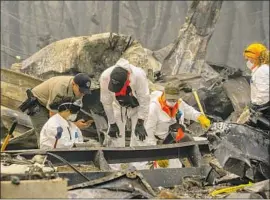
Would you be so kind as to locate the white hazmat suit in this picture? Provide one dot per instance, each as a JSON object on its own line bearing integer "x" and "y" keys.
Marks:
{"x": 71, "y": 133}
{"x": 159, "y": 121}
{"x": 259, "y": 85}
{"x": 116, "y": 113}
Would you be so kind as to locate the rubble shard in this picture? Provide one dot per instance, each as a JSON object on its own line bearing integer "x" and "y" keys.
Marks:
{"x": 241, "y": 149}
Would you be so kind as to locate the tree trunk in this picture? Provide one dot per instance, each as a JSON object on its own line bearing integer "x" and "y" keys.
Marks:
{"x": 36, "y": 25}
{"x": 82, "y": 17}
{"x": 265, "y": 21}
{"x": 4, "y": 55}
{"x": 136, "y": 14}
{"x": 29, "y": 19}
{"x": 261, "y": 19}
{"x": 62, "y": 17}
{"x": 159, "y": 14}
{"x": 4, "y": 35}
{"x": 100, "y": 7}
{"x": 230, "y": 28}
{"x": 150, "y": 22}
{"x": 188, "y": 53}
{"x": 44, "y": 12}
{"x": 74, "y": 10}
{"x": 69, "y": 21}
{"x": 14, "y": 27}
{"x": 115, "y": 17}
{"x": 164, "y": 24}
{"x": 35, "y": 18}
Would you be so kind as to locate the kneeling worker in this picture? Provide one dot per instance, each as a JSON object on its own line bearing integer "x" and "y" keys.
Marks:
{"x": 167, "y": 113}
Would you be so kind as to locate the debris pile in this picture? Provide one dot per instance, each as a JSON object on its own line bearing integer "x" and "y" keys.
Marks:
{"x": 232, "y": 159}
{"x": 238, "y": 153}
{"x": 87, "y": 180}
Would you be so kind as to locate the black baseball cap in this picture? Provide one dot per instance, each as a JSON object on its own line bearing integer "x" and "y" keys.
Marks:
{"x": 84, "y": 82}
{"x": 118, "y": 78}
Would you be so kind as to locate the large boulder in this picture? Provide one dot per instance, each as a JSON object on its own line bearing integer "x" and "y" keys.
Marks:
{"x": 90, "y": 54}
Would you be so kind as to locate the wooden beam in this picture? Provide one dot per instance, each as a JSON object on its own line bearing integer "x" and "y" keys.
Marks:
{"x": 35, "y": 189}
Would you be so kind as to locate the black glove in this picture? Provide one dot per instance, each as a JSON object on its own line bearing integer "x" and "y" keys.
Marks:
{"x": 175, "y": 127}
{"x": 33, "y": 110}
{"x": 140, "y": 130}
{"x": 114, "y": 131}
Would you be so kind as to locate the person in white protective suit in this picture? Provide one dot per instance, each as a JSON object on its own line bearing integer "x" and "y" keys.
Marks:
{"x": 124, "y": 93}
{"x": 60, "y": 130}
{"x": 257, "y": 57}
{"x": 167, "y": 112}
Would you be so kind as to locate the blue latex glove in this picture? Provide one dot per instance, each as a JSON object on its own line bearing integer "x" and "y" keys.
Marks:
{"x": 59, "y": 132}
{"x": 178, "y": 115}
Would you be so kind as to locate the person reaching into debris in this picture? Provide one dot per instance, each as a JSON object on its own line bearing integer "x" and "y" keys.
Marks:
{"x": 60, "y": 131}
{"x": 257, "y": 57}
{"x": 167, "y": 112}
{"x": 124, "y": 94}
{"x": 52, "y": 90}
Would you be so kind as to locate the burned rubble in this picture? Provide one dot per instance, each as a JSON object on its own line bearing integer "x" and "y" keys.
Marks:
{"x": 236, "y": 153}
{"x": 230, "y": 159}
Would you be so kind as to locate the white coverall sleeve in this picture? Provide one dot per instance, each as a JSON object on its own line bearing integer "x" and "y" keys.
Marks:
{"x": 107, "y": 99}
{"x": 143, "y": 96}
{"x": 152, "y": 121}
{"x": 47, "y": 136}
{"x": 260, "y": 86}
{"x": 80, "y": 136}
{"x": 189, "y": 112}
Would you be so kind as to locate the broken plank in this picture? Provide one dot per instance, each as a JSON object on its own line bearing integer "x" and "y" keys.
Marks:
{"x": 120, "y": 155}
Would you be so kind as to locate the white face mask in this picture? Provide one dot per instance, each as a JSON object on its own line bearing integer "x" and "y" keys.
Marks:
{"x": 249, "y": 64}
{"x": 72, "y": 117}
{"x": 170, "y": 103}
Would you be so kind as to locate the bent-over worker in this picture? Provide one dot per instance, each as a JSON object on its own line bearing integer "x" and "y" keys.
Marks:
{"x": 53, "y": 90}
{"x": 124, "y": 94}
{"x": 167, "y": 112}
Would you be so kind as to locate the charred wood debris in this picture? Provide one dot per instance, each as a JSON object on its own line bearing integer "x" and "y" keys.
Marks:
{"x": 233, "y": 155}
{"x": 231, "y": 159}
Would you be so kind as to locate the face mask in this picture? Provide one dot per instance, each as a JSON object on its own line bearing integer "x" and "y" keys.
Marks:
{"x": 249, "y": 64}
{"x": 170, "y": 103}
{"x": 72, "y": 117}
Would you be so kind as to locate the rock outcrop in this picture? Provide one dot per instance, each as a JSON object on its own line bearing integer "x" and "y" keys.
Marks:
{"x": 89, "y": 54}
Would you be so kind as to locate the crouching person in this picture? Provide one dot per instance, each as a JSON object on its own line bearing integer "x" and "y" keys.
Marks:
{"x": 50, "y": 91}
{"x": 166, "y": 118}
{"x": 60, "y": 130}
